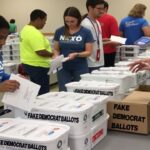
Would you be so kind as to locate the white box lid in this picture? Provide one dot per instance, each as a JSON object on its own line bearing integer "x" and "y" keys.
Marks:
{"x": 93, "y": 85}
{"x": 103, "y": 76}
{"x": 63, "y": 106}
{"x": 76, "y": 97}
{"x": 31, "y": 130}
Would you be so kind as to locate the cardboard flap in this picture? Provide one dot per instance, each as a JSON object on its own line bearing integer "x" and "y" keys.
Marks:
{"x": 144, "y": 88}
{"x": 138, "y": 97}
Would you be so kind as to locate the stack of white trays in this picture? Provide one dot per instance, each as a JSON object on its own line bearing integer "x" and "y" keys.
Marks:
{"x": 23, "y": 134}
{"x": 122, "y": 80}
{"x": 15, "y": 46}
{"x": 13, "y": 37}
{"x": 145, "y": 54}
{"x": 125, "y": 68}
{"x": 141, "y": 76}
{"x": 15, "y": 51}
{"x": 123, "y": 63}
{"x": 128, "y": 51}
{"x": 10, "y": 51}
{"x": 84, "y": 113}
{"x": 6, "y": 52}
{"x": 98, "y": 102}
{"x": 93, "y": 87}
{"x": 133, "y": 76}
{"x": 10, "y": 67}
{"x": 99, "y": 119}
{"x": 75, "y": 114}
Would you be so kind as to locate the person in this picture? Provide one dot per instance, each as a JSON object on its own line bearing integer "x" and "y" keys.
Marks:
{"x": 12, "y": 26}
{"x": 109, "y": 27}
{"x": 75, "y": 42}
{"x": 35, "y": 50}
{"x": 134, "y": 26}
{"x": 96, "y": 59}
{"x": 143, "y": 64}
{"x": 6, "y": 85}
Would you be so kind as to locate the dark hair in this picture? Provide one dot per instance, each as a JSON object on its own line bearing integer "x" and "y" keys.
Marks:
{"x": 12, "y": 21}
{"x": 3, "y": 23}
{"x": 72, "y": 12}
{"x": 37, "y": 13}
{"x": 106, "y": 5}
{"x": 93, "y": 3}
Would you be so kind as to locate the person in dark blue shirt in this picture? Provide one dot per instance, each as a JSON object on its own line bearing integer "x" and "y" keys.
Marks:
{"x": 6, "y": 85}
{"x": 75, "y": 42}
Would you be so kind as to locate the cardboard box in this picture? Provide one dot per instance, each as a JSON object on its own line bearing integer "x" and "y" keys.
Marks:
{"x": 132, "y": 114}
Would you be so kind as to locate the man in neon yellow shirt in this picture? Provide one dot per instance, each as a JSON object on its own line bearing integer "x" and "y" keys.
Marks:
{"x": 35, "y": 51}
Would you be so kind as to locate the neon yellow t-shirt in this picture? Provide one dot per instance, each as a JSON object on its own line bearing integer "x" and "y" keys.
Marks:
{"x": 32, "y": 40}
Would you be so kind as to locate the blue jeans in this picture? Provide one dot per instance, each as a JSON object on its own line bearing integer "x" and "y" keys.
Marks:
{"x": 65, "y": 76}
{"x": 39, "y": 76}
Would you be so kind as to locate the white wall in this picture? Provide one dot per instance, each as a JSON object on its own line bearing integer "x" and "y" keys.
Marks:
{"x": 121, "y": 8}
{"x": 21, "y": 9}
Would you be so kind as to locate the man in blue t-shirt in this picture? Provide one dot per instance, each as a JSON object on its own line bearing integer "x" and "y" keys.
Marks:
{"x": 6, "y": 85}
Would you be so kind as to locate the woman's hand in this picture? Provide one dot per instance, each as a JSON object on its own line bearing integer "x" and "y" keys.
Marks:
{"x": 139, "y": 66}
{"x": 73, "y": 56}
